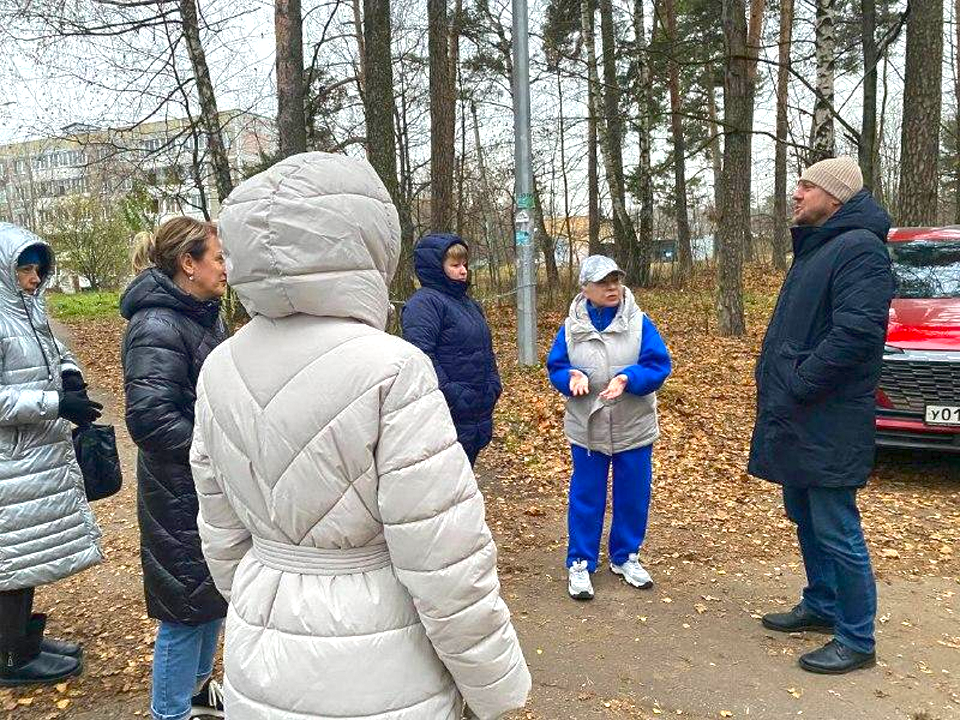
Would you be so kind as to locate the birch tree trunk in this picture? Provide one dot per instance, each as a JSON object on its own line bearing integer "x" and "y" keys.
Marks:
{"x": 822, "y": 140}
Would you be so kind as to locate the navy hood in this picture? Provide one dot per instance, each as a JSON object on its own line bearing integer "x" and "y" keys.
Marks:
{"x": 861, "y": 212}
{"x": 152, "y": 288}
{"x": 428, "y": 262}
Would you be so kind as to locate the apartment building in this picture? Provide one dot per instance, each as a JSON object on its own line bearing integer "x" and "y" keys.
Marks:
{"x": 167, "y": 158}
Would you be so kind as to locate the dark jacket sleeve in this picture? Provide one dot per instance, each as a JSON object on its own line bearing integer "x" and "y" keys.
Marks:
{"x": 862, "y": 288}
{"x": 653, "y": 364}
{"x": 422, "y": 321}
{"x": 156, "y": 368}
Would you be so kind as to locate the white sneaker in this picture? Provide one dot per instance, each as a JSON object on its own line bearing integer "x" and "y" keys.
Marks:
{"x": 578, "y": 584}
{"x": 633, "y": 573}
{"x": 208, "y": 702}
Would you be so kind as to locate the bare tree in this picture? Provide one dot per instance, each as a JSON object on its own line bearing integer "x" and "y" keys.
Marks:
{"x": 780, "y": 219}
{"x": 679, "y": 145}
{"x": 868, "y": 125}
{"x": 291, "y": 120}
{"x": 588, "y": 9}
{"x": 379, "y": 108}
{"x": 641, "y": 271}
{"x": 922, "y": 99}
{"x": 209, "y": 113}
{"x": 442, "y": 116}
{"x": 733, "y": 226}
{"x": 611, "y": 139}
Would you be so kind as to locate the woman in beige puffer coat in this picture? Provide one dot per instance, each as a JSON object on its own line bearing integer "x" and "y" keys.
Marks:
{"x": 338, "y": 513}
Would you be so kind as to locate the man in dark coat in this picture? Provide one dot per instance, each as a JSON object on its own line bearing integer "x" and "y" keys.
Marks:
{"x": 449, "y": 326}
{"x": 816, "y": 378}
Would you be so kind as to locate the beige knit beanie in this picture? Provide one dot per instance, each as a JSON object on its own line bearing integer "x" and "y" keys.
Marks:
{"x": 840, "y": 177}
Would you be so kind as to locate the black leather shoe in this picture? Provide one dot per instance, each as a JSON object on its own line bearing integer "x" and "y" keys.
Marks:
{"x": 54, "y": 646}
{"x": 61, "y": 647}
{"x": 835, "y": 658}
{"x": 797, "y": 620}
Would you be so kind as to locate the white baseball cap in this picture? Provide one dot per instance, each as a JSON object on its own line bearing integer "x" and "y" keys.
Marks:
{"x": 596, "y": 267}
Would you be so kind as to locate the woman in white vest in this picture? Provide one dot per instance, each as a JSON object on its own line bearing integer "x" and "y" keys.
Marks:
{"x": 609, "y": 360}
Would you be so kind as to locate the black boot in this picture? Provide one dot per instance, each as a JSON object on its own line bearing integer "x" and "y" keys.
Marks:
{"x": 797, "y": 620}
{"x": 54, "y": 646}
{"x": 835, "y": 658}
{"x": 22, "y": 662}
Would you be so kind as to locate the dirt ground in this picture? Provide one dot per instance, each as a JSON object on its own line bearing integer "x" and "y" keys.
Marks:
{"x": 719, "y": 548}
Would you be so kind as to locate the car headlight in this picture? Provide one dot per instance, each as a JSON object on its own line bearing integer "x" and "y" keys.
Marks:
{"x": 891, "y": 350}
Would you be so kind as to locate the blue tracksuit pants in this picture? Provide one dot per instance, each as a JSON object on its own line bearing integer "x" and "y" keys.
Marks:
{"x": 632, "y": 477}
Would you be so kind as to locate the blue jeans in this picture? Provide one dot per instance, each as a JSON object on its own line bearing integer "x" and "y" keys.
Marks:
{"x": 632, "y": 476}
{"x": 182, "y": 661}
{"x": 840, "y": 583}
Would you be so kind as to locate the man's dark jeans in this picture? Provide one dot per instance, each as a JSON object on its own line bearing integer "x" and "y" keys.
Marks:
{"x": 840, "y": 582}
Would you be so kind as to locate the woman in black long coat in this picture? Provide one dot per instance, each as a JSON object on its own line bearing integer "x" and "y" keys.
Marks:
{"x": 173, "y": 309}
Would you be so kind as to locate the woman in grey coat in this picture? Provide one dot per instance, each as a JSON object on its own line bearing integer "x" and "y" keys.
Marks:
{"x": 47, "y": 531}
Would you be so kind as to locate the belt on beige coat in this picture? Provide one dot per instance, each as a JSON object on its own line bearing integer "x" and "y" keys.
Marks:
{"x": 320, "y": 561}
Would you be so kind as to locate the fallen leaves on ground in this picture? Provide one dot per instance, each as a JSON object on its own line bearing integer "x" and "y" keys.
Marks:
{"x": 706, "y": 510}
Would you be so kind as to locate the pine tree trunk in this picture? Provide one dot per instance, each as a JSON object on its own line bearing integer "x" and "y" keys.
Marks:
{"x": 868, "y": 125}
{"x": 822, "y": 140}
{"x": 611, "y": 142}
{"x": 442, "y": 118}
{"x": 209, "y": 114}
{"x": 679, "y": 147}
{"x": 644, "y": 171}
{"x": 733, "y": 226}
{"x": 781, "y": 218}
{"x": 920, "y": 140}
{"x": 379, "y": 107}
{"x": 291, "y": 121}
{"x": 593, "y": 83}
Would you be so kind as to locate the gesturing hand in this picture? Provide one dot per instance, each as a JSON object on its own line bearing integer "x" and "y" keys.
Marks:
{"x": 579, "y": 384}
{"x": 615, "y": 388}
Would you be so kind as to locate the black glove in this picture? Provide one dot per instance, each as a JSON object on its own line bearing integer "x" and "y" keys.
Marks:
{"x": 72, "y": 381}
{"x": 78, "y": 409}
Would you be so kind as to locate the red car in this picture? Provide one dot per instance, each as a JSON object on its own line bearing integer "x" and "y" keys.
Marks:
{"x": 918, "y": 401}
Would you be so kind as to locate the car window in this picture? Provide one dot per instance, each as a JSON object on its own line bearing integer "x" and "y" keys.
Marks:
{"x": 926, "y": 268}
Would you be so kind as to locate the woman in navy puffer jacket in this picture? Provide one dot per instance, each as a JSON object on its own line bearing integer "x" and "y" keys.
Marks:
{"x": 449, "y": 326}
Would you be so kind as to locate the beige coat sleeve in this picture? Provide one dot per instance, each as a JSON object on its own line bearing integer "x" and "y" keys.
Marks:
{"x": 442, "y": 550}
{"x": 223, "y": 537}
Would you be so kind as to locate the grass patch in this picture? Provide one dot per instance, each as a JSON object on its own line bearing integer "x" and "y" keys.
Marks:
{"x": 84, "y": 305}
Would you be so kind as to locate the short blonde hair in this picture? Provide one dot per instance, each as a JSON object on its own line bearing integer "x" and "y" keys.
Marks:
{"x": 457, "y": 252}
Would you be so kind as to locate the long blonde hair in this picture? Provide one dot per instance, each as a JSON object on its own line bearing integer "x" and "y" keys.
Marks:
{"x": 177, "y": 237}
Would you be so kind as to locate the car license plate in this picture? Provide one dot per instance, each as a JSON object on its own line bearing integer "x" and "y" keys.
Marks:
{"x": 943, "y": 415}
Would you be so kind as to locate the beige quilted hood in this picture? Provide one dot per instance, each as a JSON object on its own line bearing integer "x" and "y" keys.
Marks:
{"x": 314, "y": 234}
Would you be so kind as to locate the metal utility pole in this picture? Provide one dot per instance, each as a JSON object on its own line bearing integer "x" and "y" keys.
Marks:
{"x": 523, "y": 170}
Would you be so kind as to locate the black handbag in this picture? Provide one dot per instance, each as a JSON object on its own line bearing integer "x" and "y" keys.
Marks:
{"x": 96, "y": 449}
